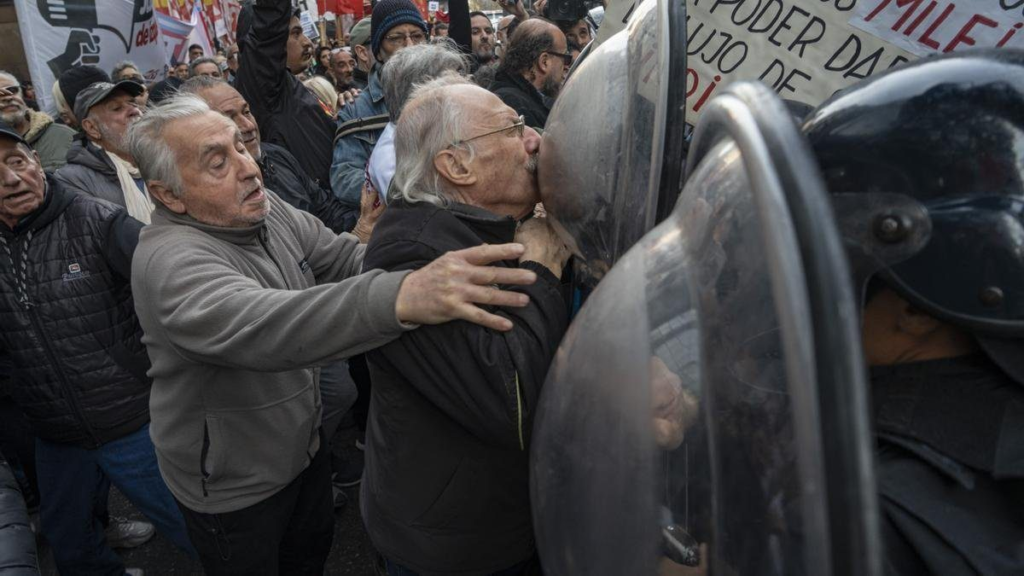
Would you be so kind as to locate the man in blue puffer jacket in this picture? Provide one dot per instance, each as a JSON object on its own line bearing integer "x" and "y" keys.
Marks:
{"x": 68, "y": 325}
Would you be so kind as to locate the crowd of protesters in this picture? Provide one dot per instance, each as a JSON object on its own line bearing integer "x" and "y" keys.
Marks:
{"x": 201, "y": 277}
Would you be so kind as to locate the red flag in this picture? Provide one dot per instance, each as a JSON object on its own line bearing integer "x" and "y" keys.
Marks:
{"x": 422, "y": 5}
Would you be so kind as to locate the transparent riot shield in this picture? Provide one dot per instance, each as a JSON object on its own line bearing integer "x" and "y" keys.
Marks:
{"x": 602, "y": 162}
{"x": 706, "y": 412}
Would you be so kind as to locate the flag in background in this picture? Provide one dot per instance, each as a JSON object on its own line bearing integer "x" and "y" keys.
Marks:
{"x": 175, "y": 34}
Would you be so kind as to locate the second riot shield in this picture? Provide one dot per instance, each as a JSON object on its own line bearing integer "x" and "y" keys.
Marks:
{"x": 706, "y": 412}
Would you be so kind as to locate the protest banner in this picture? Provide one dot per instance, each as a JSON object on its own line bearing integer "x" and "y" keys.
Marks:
{"x": 59, "y": 34}
{"x": 808, "y": 49}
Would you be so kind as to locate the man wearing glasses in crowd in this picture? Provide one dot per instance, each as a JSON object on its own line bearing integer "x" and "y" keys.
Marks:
{"x": 127, "y": 70}
{"x": 50, "y": 140}
{"x": 532, "y": 70}
{"x": 445, "y": 488}
{"x": 395, "y": 24}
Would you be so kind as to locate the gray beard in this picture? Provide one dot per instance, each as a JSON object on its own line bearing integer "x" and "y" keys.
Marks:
{"x": 15, "y": 118}
{"x": 116, "y": 143}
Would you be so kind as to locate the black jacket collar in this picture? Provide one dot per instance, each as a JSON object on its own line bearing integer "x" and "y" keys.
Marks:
{"x": 492, "y": 228}
{"x": 504, "y": 79}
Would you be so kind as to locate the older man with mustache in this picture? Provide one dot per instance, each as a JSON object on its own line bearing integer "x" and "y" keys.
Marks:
{"x": 242, "y": 298}
{"x": 445, "y": 488}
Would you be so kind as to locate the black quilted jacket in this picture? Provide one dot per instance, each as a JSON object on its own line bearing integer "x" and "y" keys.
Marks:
{"x": 18, "y": 555}
{"x": 67, "y": 320}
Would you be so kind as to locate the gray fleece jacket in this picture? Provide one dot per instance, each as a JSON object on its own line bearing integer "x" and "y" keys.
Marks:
{"x": 236, "y": 321}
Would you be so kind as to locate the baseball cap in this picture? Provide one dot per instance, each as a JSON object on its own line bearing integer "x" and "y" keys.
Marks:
{"x": 359, "y": 35}
{"x": 99, "y": 92}
{"x": 6, "y": 130}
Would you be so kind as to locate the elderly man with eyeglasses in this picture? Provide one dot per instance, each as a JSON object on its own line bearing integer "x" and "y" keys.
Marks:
{"x": 51, "y": 141}
{"x": 445, "y": 487}
{"x": 394, "y": 25}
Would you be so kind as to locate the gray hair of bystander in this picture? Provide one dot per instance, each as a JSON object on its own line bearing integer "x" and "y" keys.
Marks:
{"x": 417, "y": 65}
{"x": 198, "y": 84}
{"x": 432, "y": 122}
{"x": 156, "y": 160}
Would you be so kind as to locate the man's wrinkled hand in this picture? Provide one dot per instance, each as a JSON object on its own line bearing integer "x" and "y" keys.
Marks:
{"x": 456, "y": 284}
{"x": 542, "y": 245}
{"x": 370, "y": 209}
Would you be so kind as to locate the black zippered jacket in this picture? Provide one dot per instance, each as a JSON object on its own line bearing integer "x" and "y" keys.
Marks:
{"x": 287, "y": 112}
{"x": 283, "y": 175}
{"x": 18, "y": 556}
{"x": 67, "y": 320}
{"x": 446, "y": 484}
{"x": 516, "y": 92}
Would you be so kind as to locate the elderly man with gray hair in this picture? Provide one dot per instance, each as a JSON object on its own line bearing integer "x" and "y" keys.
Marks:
{"x": 445, "y": 488}
{"x": 99, "y": 163}
{"x": 241, "y": 298}
{"x": 412, "y": 66}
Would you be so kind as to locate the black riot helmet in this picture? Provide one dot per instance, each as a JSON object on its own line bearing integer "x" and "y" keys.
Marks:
{"x": 925, "y": 165}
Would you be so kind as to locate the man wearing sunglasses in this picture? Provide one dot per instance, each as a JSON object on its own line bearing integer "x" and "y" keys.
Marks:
{"x": 51, "y": 141}
{"x": 445, "y": 488}
{"x": 127, "y": 70}
{"x": 532, "y": 70}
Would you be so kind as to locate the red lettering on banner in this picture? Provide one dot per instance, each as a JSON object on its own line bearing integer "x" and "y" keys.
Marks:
{"x": 913, "y": 26}
{"x": 926, "y": 37}
{"x": 693, "y": 83}
{"x": 963, "y": 36}
{"x": 146, "y": 35}
{"x": 915, "y": 13}
{"x": 1010, "y": 34}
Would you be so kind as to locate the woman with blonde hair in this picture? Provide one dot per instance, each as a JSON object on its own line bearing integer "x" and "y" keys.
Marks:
{"x": 325, "y": 93}
{"x": 63, "y": 109}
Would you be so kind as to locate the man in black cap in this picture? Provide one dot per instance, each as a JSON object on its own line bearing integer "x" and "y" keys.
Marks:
{"x": 74, "y": 80}
{"x": 75, "y": 345}
{"x": 394, "y": 25}
{"x": 164, "y": 89}
{"x": 272, "y": 51}
{"x": 99, "y": 164}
